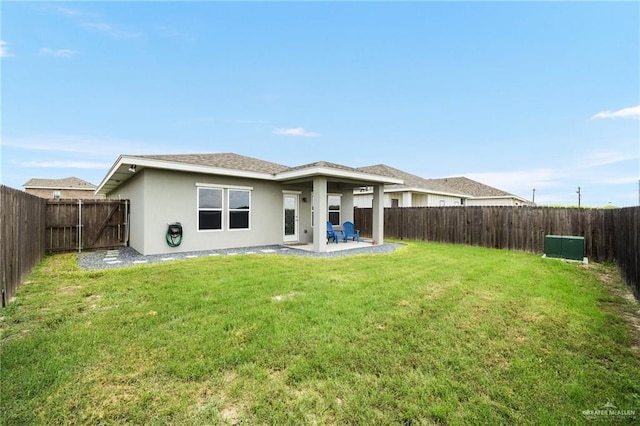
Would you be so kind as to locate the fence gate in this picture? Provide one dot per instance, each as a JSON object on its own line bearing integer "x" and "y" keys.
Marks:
{"x": 86, "y": 224}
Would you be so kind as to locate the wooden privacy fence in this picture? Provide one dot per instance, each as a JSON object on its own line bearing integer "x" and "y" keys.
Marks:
{"x": 86, "y": 224}
{"x": 610, "y": 234}
{"x": 30, "y": 226}
{"x": 22, "y": 237}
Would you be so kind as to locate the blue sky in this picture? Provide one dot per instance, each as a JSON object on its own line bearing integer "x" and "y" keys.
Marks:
{"x": 542, "y": 95}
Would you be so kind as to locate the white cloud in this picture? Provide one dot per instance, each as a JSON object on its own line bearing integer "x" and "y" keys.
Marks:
{"x": 631, "y": 112}
{"x": 58, "y": 53}
{"x": 4, "y": 50}
{"x": 621, "y": 180}
{"x": 93, "y": 145}
{"x": 65, "y": 164}
{"x": 72, "y": 13}
{"x": 109, "y": 29}
{"x": 557, "y": 186}
{"x": 604, "y": 158}
{"x": 94, "y": 22}
{"x": 296, "y": 131}
{"x": 517, "y": 182}
{"x": 240, "y": 121}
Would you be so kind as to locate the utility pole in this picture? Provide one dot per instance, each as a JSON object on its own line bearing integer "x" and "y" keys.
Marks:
{"x": 533, "y": 200}
{"x": 578, "y": 192}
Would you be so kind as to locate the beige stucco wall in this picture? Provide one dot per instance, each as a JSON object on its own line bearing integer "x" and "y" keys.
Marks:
{"x": 363, "y": 200}
{"x": 133, "y": 190}
{"x": 442, "y": 200}
{"x": 417, "y": 200}
{"x": 493, "y": 202}
{"x": 160, "y": 197}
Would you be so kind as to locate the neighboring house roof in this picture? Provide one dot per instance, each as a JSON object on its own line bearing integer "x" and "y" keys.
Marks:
{"x": 411, "y": 182}
{"x": 66, "y": 183}
{"x": 471, "y": 187}
{"x": 229, "y": 164}
{"x": 476, "y": 189}
{"x": 456, "y": 186}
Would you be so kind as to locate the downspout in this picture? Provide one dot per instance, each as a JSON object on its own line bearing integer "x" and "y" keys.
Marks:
{"x": 125, "y": 243}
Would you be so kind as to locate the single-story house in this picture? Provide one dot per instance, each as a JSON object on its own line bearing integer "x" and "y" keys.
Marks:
{"x": 413, "y": 192}
{"x": 229, "y": 200}
{"x": 57, "y": 189}
{"x": 420, "y": 192}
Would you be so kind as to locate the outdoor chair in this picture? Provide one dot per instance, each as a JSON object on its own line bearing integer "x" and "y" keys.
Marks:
{"x": 349, "y": 231}
{"x": 332, "y": 234}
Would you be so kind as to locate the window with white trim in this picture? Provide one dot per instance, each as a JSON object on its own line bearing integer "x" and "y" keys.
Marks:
{"x": 333, "y": 205}
{"x": 209, "y": 209}
{"x": 239, "y": 208}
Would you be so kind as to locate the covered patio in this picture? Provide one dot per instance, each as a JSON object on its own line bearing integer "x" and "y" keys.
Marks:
{"x": 323, "y": 178}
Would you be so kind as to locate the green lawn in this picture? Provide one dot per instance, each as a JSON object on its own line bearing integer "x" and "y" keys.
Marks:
{"x": 430, "y": 334}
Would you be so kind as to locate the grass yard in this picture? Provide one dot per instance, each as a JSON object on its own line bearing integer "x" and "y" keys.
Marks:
{"x": 430, "y": 334}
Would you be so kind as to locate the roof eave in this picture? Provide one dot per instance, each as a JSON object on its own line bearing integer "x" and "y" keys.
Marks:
{"x": 484, "y": 197}
{"x": 336, "y": 173}
{"x": 58, "y": 187}
{"x": 123, "y": 163}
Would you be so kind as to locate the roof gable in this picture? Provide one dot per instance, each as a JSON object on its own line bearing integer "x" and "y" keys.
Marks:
{"x": 325, "y": 164}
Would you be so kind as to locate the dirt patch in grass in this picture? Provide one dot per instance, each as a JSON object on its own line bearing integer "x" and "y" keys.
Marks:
{"x": 634, "y": 320}
{"x": 230, "y": 414}
{"x": 283, "y": 297}
{"x": 93, "y": 300}
{"x": 69, "y": 289}
{"x": 229, "y": 376}
{"x": 630, "y": 309}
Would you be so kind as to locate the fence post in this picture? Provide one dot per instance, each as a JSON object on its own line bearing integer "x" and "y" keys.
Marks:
{"x": 79, "y": 226}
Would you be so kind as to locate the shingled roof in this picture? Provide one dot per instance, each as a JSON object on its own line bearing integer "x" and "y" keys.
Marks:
{"x": 410, "y": 181}
{"x": 224, "y": 161}
{"x": 65, "y": 183}
{"x": 326, "y": 164}
{"x": 472, "y": 187}
{"x": 231, "y": 164}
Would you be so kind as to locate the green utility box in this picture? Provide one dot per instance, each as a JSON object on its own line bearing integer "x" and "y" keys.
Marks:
{"x": 564, "y": 247}
{"x": 553, "y": 246}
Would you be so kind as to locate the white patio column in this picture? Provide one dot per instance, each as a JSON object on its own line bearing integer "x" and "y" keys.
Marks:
{"x": 320, "y": 214}
{"x": 378, "y": 214}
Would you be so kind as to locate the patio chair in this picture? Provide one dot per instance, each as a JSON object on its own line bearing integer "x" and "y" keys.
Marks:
{"x": 349, "y": 231}
{"x": 332, "y": 234}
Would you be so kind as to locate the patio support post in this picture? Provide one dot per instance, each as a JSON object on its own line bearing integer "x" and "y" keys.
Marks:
{"x": 378, "y": 214}
{"x": 320, "y": 214}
